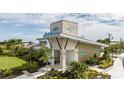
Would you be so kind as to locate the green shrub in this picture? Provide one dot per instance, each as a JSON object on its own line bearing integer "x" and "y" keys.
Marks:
{"x": 76, "y": 70}
{"x": 106, "y": 63}
{"x": 90, "y": 74}
{"x": 104, "y": 76}
{"x": 53, "y": 74}
{"x": 26, "y": 57}
{"x": 33, "y": 67}
{"x": 22, "y": 51}
{"x": 106, "y": 54}
{"x": 29, "y": 67}
{"x": 94, "y": 60}
{"x": 7, "y": 72}
{"x": 18, "y": 70}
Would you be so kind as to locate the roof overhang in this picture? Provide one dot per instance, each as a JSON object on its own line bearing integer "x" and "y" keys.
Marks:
{"x": 82, "y": 40}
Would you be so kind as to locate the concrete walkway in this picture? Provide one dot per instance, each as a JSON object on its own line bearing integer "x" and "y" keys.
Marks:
{"x": 34, "y": 75}
{"x": 40, "y": 72}
{"x": 117, "y": 72}
{"x": 96, "y": 68}
{"x": 100, "y": 70}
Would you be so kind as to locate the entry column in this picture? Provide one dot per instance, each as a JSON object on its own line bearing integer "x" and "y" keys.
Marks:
{"x": 76, "y": 54}
{"x": 53, "y": 57}
{"x": 63, "y": 59}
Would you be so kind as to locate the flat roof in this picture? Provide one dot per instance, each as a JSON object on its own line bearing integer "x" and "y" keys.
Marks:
{"x": 83, "y": 40}
{"x": 65, "y": 21}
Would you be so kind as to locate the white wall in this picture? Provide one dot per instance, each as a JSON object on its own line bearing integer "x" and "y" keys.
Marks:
{"x": 70, "y": 56}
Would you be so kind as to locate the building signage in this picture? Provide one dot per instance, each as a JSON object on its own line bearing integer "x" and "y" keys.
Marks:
{"x": 52, "y": 33}
{"x": 70, "y": 28}
{"x": 55, "y": 29}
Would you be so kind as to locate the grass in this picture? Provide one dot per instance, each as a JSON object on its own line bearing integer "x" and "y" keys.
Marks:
{"x": 10, "y": 62}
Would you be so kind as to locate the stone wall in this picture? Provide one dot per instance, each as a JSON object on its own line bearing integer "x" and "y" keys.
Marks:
{"x": 85, "y": 51}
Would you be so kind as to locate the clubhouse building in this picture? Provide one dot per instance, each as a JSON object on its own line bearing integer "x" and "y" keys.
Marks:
{"x": 67, "y": 46}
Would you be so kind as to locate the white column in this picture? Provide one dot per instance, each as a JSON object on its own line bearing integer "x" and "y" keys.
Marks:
{"x": 53, "y": 59}
{"x": 76, "y": 55}
{"x": 63, "y": 59}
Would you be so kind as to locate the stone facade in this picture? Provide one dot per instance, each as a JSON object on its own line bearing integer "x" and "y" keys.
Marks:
{"x": 86, "y": 50}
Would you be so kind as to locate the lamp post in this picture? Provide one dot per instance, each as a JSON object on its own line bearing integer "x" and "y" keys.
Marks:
{"x": 110, "y": 38}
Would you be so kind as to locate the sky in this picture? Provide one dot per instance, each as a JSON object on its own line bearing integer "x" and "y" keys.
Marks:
{"x": 30, "y": 26}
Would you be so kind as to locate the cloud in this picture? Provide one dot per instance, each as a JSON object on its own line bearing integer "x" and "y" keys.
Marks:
{"x": 96, "y": 31}
{"x": 16, "y": 35}
{"x": 43, "y": 30}
{"x": 19, "y": 25}
{"x": 32, "y": 25}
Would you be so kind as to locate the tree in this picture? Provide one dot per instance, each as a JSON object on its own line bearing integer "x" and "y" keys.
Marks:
{"x": 42, "y": 54}
{"x": 118, "y": 47}
{"x": 76, "y": 69}
{"x": 104, "y": 41}
{"x": 14, "y": 45}
{"x": 22, "y": 51}
{"x": 31, "y": 54}
{"x": 121, "y": 45}
{"x": 106, "y": 54}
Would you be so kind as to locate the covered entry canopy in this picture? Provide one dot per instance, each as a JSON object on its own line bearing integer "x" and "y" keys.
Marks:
{"x": 71, "y": 48}
{"x": 81, "y": 40}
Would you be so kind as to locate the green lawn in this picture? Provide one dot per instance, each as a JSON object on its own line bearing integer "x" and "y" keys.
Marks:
{"x": 10, "y": 62}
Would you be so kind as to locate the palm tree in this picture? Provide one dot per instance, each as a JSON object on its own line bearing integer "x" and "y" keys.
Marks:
{"x": 45, "y": 53}
{"x": 14, "y": 45}
{"x": 76, "y": 69}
